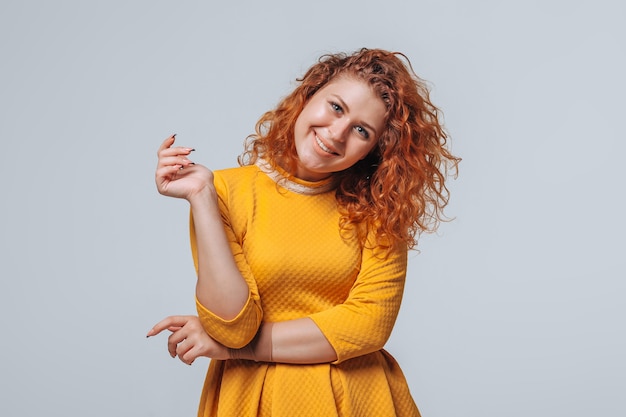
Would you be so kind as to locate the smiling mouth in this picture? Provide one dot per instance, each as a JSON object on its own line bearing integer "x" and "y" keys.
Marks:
{"x": 324, "y": 147}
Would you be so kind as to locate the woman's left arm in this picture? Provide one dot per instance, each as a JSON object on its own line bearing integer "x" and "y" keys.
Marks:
{"x": 363, "y": 323}
{"x": 360, "y": 325}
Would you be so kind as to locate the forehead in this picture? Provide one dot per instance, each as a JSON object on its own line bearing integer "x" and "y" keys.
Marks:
{"x": 353, "y": 89}
{"x": 356, "y": 90}
{"x": 346, "y": 82}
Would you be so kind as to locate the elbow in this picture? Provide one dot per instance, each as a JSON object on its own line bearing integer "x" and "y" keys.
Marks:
{"x": 235, "y": 332}
{"x": 376, "y": 343}
{"x": 236, "y": 342}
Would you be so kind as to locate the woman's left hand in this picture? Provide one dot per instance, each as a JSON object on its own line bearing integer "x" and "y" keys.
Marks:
{"x": 188, "y": 340}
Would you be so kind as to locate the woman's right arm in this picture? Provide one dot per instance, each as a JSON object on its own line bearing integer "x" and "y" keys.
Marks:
{"x": 220, "y": 288}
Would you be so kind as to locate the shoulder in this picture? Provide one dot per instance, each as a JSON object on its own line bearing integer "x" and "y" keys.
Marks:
{"x": 236, "y": 173}
{"x": 238, "y": 181}
{"x": 232, "y": 177}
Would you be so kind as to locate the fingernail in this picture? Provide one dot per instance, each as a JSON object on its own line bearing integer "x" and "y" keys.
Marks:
{"x": 174, "y": 135}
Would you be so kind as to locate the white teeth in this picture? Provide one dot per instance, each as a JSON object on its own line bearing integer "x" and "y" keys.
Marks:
{"x": 324, "y": 147}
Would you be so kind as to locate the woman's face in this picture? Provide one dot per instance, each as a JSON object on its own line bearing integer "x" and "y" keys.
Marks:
{"x": 338, "y": 126}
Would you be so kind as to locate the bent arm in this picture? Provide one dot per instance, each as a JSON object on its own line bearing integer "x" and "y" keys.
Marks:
{"x": 363, "y": 323}
{"x": 227, "y": 297}
{"x": 221, "y": 288}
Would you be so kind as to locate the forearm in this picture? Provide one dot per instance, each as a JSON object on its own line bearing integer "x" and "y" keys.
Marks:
{"x": 300, "y": 341}
{"x": 220, "y": 287}
{"x": 297, "y": 341}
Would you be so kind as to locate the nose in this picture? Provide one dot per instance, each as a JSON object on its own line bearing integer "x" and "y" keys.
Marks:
{"x": 339, "y": 129}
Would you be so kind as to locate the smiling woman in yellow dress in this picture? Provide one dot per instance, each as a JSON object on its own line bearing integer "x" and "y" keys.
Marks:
{"x": 301, "y": 251}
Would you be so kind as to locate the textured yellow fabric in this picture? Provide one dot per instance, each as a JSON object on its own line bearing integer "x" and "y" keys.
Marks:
{"x": 290, "y": 251}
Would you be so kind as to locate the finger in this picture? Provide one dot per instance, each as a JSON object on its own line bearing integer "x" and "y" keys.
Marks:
{"x": 167, "y": 143}
{"x": 190, "y": 355}
{"x": 179, "y": 159}
{"x": 165, "y": 174}
{"x": 167, "y": 149}
{"x": 174, "y": 328}
{"x": 171, "y": 321}
{"x": 189, "y": 352}
{"x": 181, "y": 350}
{"x": 172, "y": 344}
{"x": 174, "y": 151}
{"x": 175, "y": 339}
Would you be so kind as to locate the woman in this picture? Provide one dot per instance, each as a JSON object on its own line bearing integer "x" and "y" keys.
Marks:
{"x": 301, "y": 252}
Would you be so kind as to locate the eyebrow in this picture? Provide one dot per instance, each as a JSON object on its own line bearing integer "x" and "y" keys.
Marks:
{"x": 345, "y": 106}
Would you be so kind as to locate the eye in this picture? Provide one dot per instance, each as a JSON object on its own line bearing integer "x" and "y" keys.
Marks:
{"x": 362, "y": 131}
{"x": 336, "y": 107}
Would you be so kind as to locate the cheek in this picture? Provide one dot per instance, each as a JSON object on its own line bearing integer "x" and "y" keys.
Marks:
{"x": 314, "y": 112}
{"x": 298, "y": 127}
{"x": 363, "y": 151}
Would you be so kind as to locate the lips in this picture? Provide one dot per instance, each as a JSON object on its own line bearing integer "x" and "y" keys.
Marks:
{"x": 324, "y": 147}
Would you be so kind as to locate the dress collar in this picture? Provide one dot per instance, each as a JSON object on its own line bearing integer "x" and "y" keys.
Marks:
{"x": 296, "y": 185}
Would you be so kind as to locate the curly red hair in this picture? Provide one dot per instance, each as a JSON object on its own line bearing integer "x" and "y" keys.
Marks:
{"x": 398, "y": 191}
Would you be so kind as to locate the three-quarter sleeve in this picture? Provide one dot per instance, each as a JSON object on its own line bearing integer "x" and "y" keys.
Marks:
{"x": 240, "y": 330}
{"x": 363, "y": 323}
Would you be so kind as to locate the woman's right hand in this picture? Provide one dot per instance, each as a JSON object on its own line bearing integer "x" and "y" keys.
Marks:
{"x": 189, "y": 340}
{"x": 177, "y": 176}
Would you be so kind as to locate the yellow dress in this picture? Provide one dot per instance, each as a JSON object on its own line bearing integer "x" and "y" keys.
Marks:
{"x": 287, "y": 244}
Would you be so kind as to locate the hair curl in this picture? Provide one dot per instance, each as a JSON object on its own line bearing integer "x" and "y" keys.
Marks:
{"x": 398, "y": 190}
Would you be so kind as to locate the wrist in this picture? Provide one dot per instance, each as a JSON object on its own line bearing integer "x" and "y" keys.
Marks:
{"x": 205, "y": 196}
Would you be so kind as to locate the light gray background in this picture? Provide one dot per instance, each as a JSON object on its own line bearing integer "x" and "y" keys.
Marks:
{"x": 514, "y": 309}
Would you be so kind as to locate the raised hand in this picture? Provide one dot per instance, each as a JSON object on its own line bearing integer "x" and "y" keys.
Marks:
{"x": 177, "y": 176}
{"x": 188, "y": 340}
